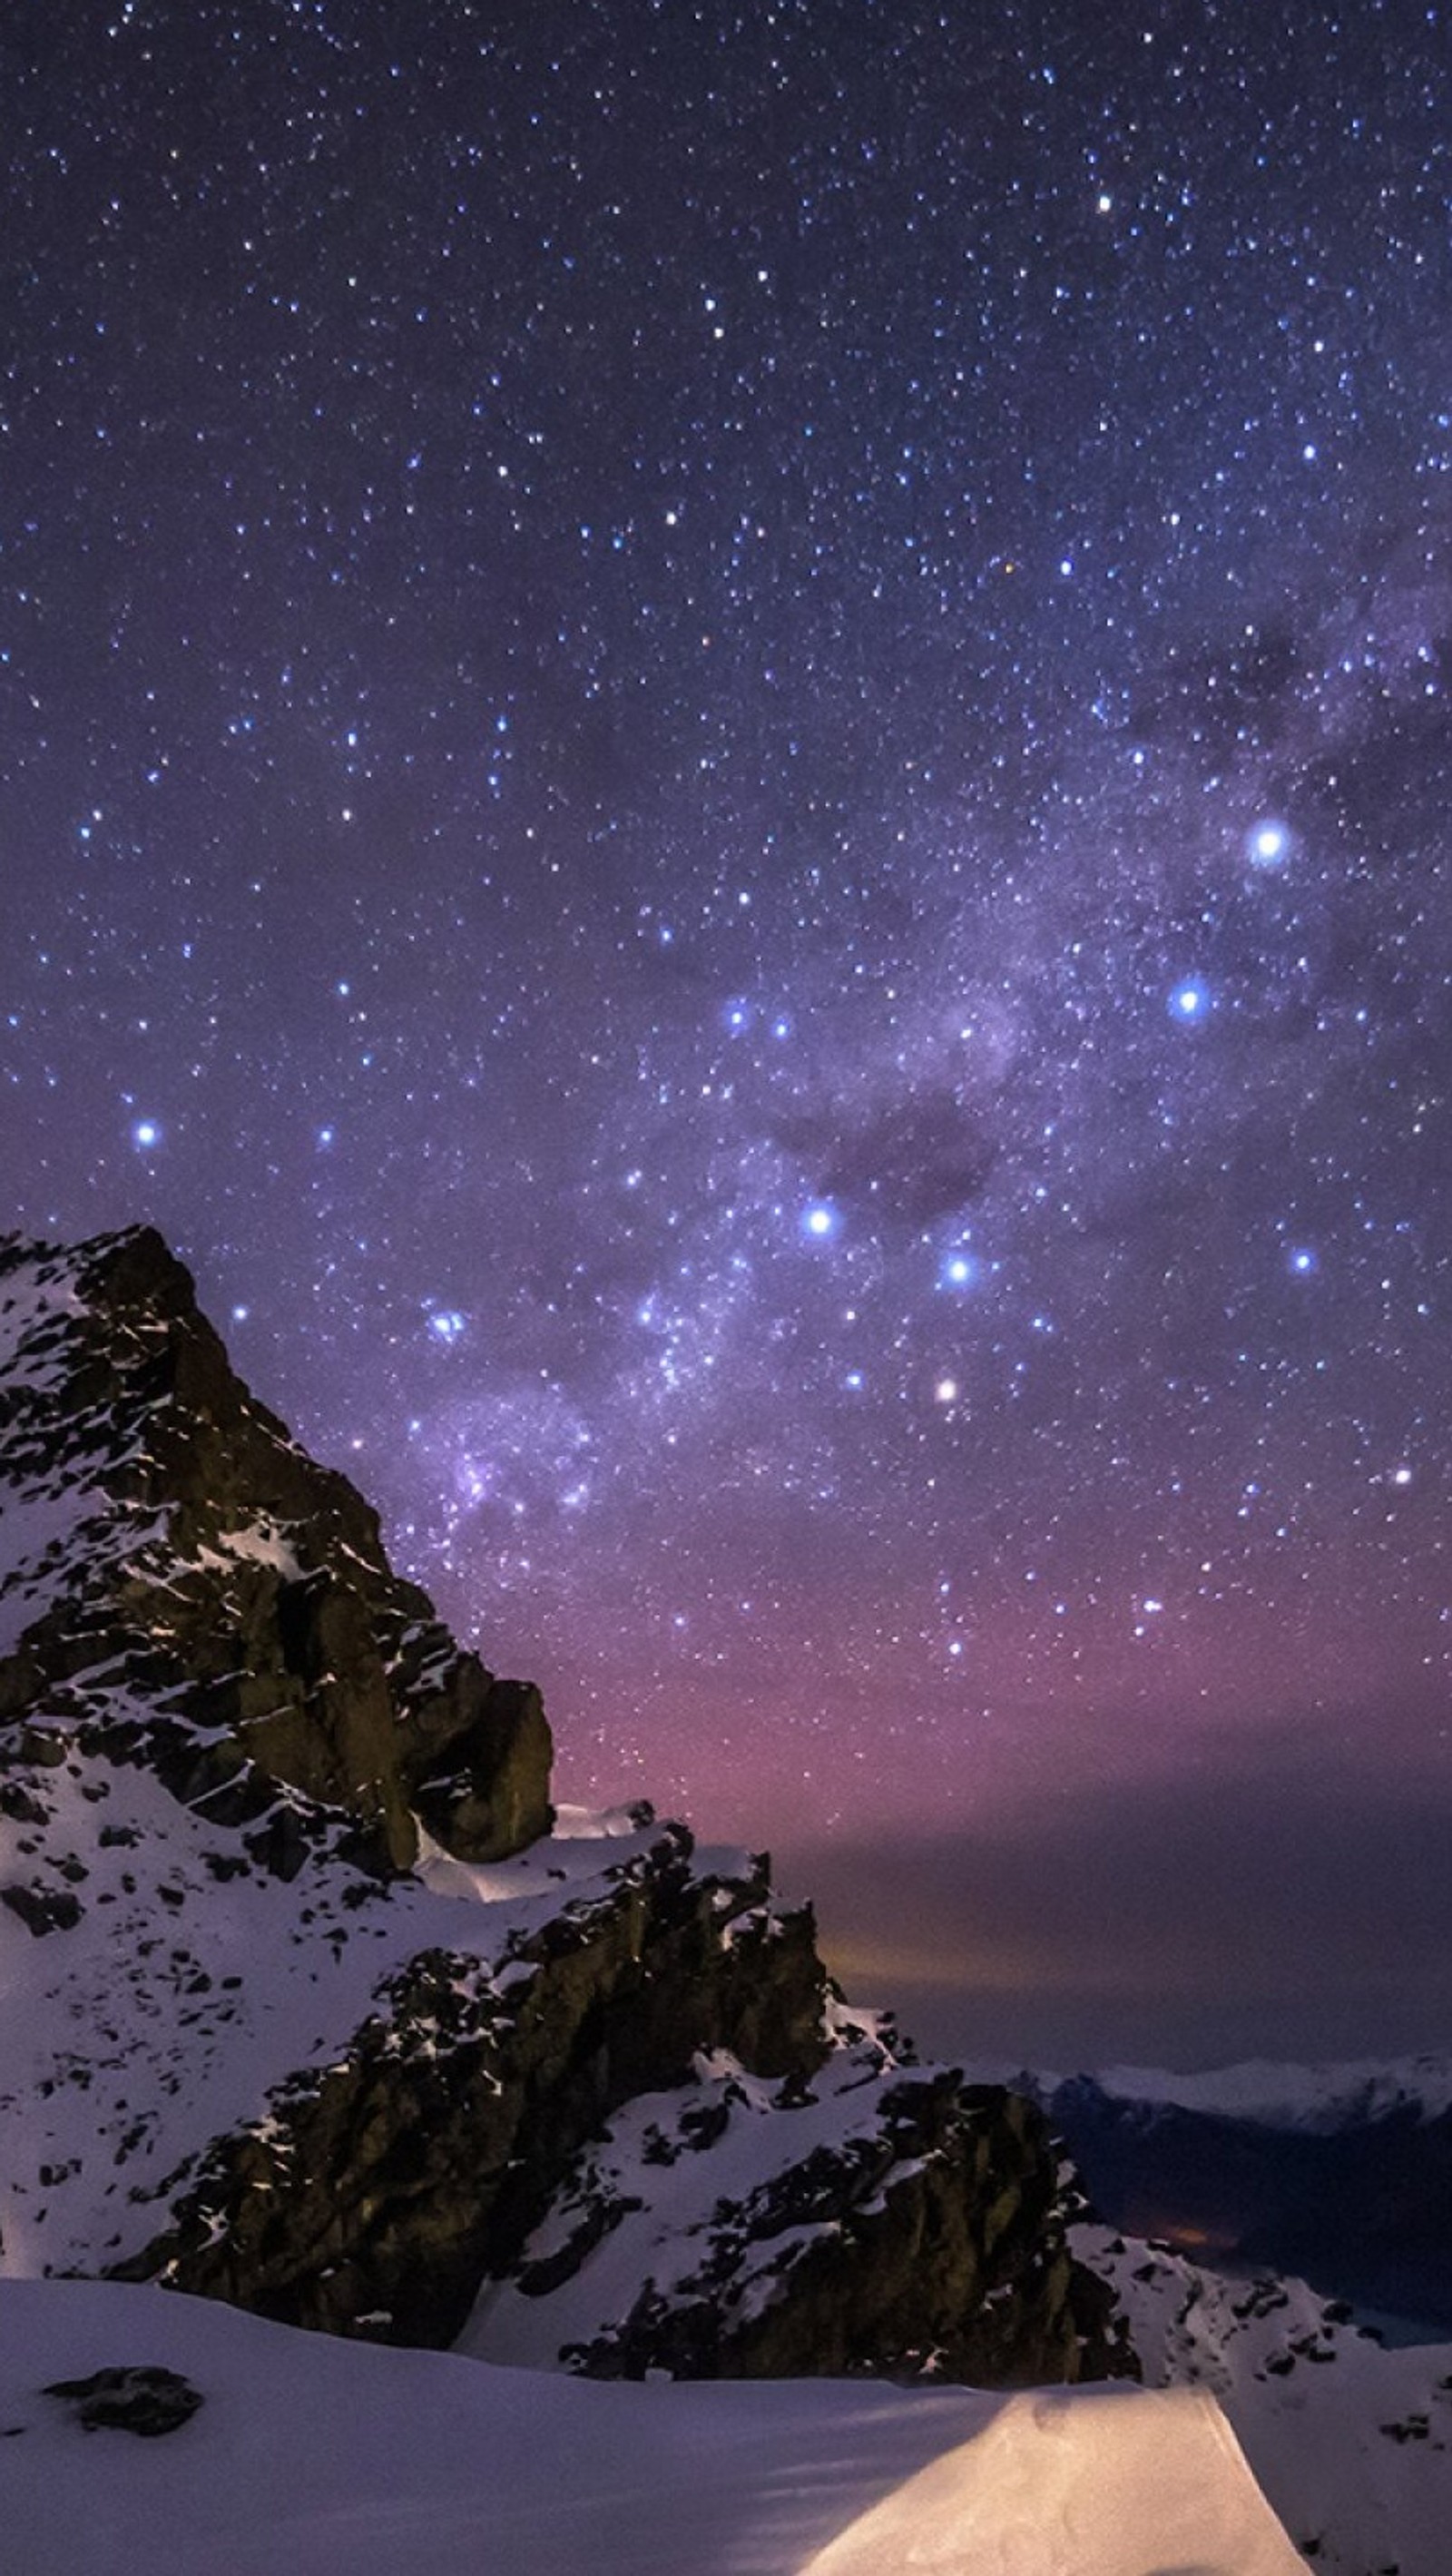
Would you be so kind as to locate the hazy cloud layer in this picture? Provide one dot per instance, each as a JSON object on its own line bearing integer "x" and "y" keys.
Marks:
{"x": 1274, "y": 1909}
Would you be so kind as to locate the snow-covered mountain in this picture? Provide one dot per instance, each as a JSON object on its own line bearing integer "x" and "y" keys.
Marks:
{"x": 1316, "y": 2098}
{"x": 310, "y": 2000}
{"x": 303, "y": 2004}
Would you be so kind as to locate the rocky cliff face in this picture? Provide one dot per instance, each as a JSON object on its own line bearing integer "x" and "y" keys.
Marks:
{"x": 875, "y": 2216}
{"x": 307, "y": 2000}
{"x": 170, "y": 1540}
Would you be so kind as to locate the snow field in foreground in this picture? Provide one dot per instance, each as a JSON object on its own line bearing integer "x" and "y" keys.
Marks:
{"x": 323, "y": 2458}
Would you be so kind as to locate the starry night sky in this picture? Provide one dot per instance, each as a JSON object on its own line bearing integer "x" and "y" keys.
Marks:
{"x": 725, "y": 754}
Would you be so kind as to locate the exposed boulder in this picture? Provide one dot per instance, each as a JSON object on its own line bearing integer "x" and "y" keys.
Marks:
{"x": 140, "y": 2398}
{"x": 43, "y": 1909}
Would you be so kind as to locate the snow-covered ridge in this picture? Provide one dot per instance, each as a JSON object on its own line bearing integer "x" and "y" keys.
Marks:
{"x": 190, "y": 1984}
{"x": 1273, "y": 2094}
{"x": 243, "y": 2049}
{"x": 1295, "y": 2097}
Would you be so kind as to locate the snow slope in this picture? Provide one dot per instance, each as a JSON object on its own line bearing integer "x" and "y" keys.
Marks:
{"x": 1089, "y": 2487}
{"x": 1351, "y": 2443}
{"x": 327, "y": 2458}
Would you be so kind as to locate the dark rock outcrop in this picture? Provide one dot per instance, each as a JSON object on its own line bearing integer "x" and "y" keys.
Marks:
{"x": 932, "y": 2246}
{"x": 379, "y": 2192}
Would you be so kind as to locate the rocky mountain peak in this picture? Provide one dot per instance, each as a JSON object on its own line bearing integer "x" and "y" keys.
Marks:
{"x": 174, "y": 1566}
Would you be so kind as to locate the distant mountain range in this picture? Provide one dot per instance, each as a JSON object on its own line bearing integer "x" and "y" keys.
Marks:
{"x": 1272, "y": 2095}
{"x": 1341, "y": 2174}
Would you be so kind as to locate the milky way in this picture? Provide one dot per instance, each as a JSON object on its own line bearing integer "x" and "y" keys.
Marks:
{"x": 725, "y": 771}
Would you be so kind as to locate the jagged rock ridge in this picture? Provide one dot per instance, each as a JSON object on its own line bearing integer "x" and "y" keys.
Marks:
{"x": 301, "y": 2003}
{"x": 171, "y": 1539}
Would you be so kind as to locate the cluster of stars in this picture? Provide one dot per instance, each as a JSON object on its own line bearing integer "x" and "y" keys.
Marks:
{"x": 724, "y": 770}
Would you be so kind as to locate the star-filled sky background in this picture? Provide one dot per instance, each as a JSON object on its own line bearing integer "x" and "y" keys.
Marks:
{"x": 725, "y": 756}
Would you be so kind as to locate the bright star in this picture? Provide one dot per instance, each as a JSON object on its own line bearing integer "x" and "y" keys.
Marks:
{"x": 1189, "y": 1002}
{"x": 1268, "y": 845}
{"x": 959, "y": 1270}
{"x": 820, "y": 1221}
{"x": 1304, "y": 1262}
{"x": 145, "y": 1134}
{"x": 446, "y": 1325}
{"x": 946, "y": 1391}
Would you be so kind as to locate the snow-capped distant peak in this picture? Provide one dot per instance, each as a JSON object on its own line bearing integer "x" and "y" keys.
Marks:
{"x": 1291, "y": 2096}
{"x": 1268, "y": 2092}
